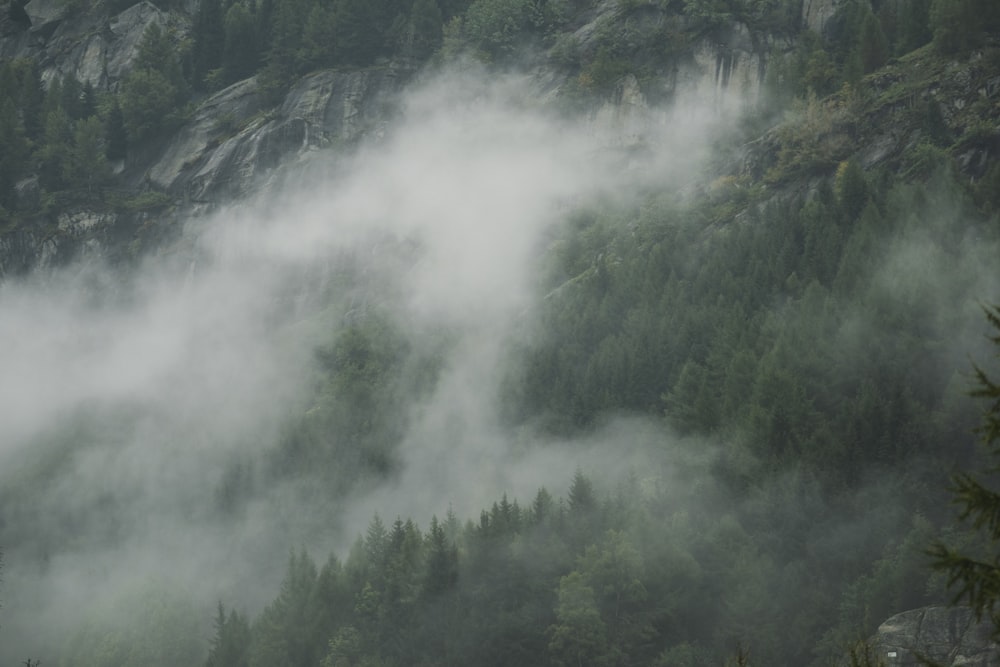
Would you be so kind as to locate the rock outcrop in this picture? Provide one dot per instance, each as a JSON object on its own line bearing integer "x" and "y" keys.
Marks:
{"x": 816, "y": 14}
{"x": 948, "y": 636}
{"x": 95, "y": 47}
{"x": 229, "y": 147}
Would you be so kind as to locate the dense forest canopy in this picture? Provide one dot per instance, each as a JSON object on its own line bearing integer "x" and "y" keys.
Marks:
{"x": 481, "y": 388}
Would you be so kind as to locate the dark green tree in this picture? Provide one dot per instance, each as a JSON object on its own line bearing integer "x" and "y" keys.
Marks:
{"x": 53, "y": 155}
{"x": 977, "y": 578}
{"x": 240, "y": 57}
{"x": 14, "y": 149}
{"x": 955, "y": 25}
{"x": 914, "y": 28}
{"x": 71, "y": 97}
{"x": 285, "y": 634}
{"x": 872, "y": 44}
{"x": 117, "y": 137}
{"x": 153, "y": 93}
{"x": 208, "y": 41}
{"x": 231, "y": 640}
{"x": 357, "y": 39}
{"x": 442, "y": 562}
{"x": 32, "y": 96}
{"x": 427, "y": 22}
{"x": 88, "y": 165}
{"x": 319, "y": 39}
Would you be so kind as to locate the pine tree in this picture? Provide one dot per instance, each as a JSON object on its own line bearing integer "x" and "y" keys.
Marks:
{"x": 978, "y": 578}
{"x": 53, "y": 154}
{"x": 14, "y": 149}
{"x": 117, "y": 137}
{"x": 232, "y": 638}
{"x": 32, "y": 99}
{"x": 955, "y": 25}
{"x": 286, "y": 635}
{"x": 427, "y": 22}
{"x": 872, "y": 44}
{"x": 240, "y": 52}
{"x": 442, "y": 562}
{"x": 87, "y": 165}
{"x": 209, "y": 39}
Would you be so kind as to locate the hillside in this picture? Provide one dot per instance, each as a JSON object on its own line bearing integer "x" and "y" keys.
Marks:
{"x": 492, "y": 332}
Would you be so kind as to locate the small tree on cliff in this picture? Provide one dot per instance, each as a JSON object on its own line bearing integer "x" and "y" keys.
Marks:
{"x": 978, "y": 578}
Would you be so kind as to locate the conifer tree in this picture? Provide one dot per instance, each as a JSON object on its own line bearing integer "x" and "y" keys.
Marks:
{"x": 117, "y": 137}
{"x": 977, "y": 578}
{"x": 209, "y": 39}
{"x": 231, "y": 640}
{"x": 240, "y": 52}
{"x": 14, "y": 149}
{"x": 872, "y": 44}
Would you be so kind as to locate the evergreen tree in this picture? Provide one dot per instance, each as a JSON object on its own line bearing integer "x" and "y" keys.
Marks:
{"x": 88, "y": 165}
{"x": 442, "y": 562}
{"x": 71, "y": 97}
{"x": 427, "y": 22}
{"x": 14, "y": 149}
{"x": 872, "y": 44}
{"x": 955, "y": 25}
{"x": 914, "y": 26}
{"x": 978, "y": 578}
{"x": 32, "y": 97}
{"x": 209, "y": 40}
{"x": 580, "y": 636}
{"x": 240, "y": 52}
{"x": 117, "y": 137}
{"x": 153, "y": 92}
{"x": 319, "y": 41}
{"x": 286, "y": 634}
{"x": 357, "y": 40}
{"x": 53, "y": 155}
{"x": 231, "y": 640}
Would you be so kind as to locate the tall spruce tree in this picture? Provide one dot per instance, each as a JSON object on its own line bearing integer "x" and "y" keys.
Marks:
{"x": 977, "y": 578}
{"x": 209, "y": 39}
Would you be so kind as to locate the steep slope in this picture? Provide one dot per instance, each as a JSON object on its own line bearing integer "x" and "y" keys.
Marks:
{"x": 689, "y": 238}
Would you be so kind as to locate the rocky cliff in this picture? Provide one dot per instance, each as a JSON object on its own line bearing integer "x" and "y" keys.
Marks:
{"x": 233, "y": 143}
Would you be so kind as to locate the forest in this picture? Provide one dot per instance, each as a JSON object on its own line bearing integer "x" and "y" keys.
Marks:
{"x": 732, "y": 408}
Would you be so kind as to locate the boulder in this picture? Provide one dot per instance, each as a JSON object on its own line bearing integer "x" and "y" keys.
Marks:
{"x": 949, "y": 636}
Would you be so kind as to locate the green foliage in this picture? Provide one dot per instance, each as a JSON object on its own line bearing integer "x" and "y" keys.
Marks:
{"x": 208, "y": 41}
{"x": 579, "y": 636}
{"x": 977, "y": 578}
{"x": 873, "y": 48}
{"x": 153, "y": 93}
{"x": 240, "y": 53}
{"x": 231, "y": 641}
{"x": 154, "y": 625}
{"x": 427, "y": 22}
{"x": 955, "y": 25}
{"x": 88, "y": 167}
{"x": 497, "y": 27}
{"x": 851, "y": 188}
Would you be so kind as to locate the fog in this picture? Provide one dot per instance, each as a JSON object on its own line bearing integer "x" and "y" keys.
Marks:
{"x": 126, "y": 395}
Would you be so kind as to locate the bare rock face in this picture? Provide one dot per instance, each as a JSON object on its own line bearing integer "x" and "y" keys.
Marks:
{"x": 43, "y": 14}
{"x": 816, "y": 13}
{"x": 730, "y": 70}
{"x": 229, "y": 148}
{"x": 948, "y": 636}
{"x": 94, "y": 47}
